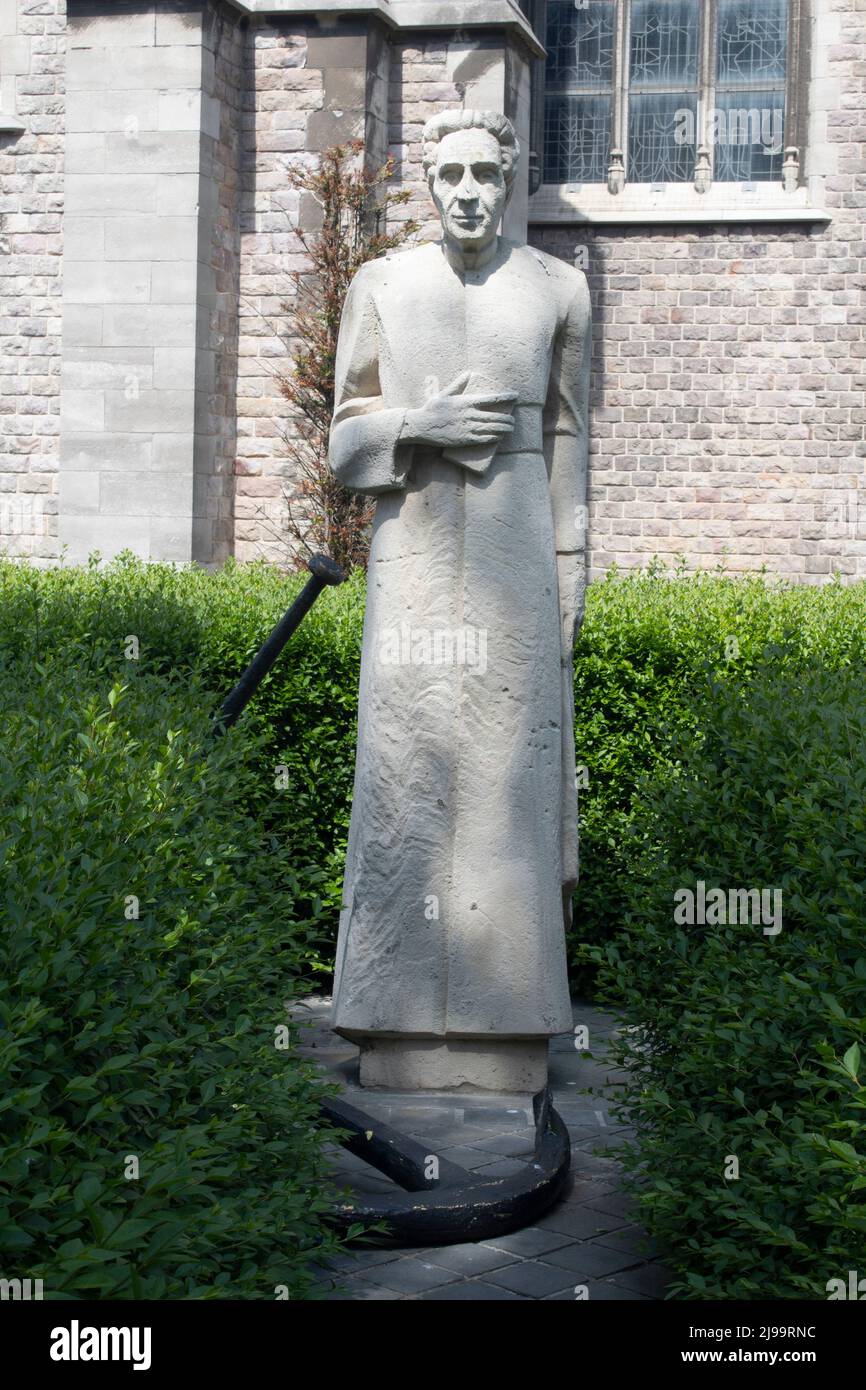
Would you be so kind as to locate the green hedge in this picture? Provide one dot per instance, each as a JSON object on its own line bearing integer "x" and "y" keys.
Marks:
{"x": 157, "y": 1135}
{"x": 744, "y": 1043}
{"x": 204, "y": 627}
{"x": 645, "y": 648}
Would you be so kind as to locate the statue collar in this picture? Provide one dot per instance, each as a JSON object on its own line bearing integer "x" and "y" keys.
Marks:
{"x": 465, "y": 265}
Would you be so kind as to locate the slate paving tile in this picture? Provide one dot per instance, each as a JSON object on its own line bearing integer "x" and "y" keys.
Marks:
{"x": 508, "y": 1145}
{"x": 498, "y": 1121}
{"x": 353, "y": 1259}
{"x": 472, "y": 1291}
{"x": 590, "y": 1193}
{"x": 409, "y": 1276}
{"x": 457, "y": 1134}
{"x": 599, "y": 1168}
{"x": 464, "y": 1155}
{"x": 358, "y": 1290}
{"x": 597, "y": 1289}
{"x": 503, "y": 1168}
{"x": 649, "y": 1279}
{"x": 631, "y": 1238}
{"x": 586, "y": 1224}
{"x": 532, "y": 1278}
{"x": 530, "y": 1242}
{"x": 569, "y": 1220}
{"x": 584, "y": 1134}
{"x": 469, "y": 1259}
{"x": 603, "y": 1140}
{"x": 591, "y": 1261}
{"x": 617, "y": 1204}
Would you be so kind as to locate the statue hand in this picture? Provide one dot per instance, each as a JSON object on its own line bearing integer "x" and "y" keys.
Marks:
{"x": 452, "y": 419}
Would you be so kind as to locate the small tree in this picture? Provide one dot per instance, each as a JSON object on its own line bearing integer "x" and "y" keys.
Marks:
{"x": 355, "y": 201}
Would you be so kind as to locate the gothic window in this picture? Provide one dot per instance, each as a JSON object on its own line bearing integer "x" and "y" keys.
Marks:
{"x": 671, "y": 91}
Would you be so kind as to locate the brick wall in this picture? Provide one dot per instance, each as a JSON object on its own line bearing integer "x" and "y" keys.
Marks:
{"x": 31, "y": 199}
{"x": 282, "y": 94}
{"x": 727, "y": 401}
{"x": 421, "y": 86}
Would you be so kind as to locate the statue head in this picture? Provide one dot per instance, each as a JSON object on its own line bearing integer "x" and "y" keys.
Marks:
{"x": 470, "y": 160}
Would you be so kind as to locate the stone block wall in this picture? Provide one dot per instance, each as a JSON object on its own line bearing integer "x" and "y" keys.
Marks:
{"x": 31, "y": 204}
{"x": 141, "y": 443}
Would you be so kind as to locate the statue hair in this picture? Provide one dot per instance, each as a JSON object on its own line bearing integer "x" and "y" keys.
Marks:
{"x": 449, "y": 122}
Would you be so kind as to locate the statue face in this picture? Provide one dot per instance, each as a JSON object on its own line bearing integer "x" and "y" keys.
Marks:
{"x": 468, "y": 187}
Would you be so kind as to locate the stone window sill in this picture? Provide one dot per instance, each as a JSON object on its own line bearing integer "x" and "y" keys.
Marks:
{"x": 10, "y": 124}
{"x": 644, "y": 203}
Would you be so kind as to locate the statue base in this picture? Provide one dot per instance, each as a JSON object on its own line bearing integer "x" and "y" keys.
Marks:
{"x": 435, "y": 1064}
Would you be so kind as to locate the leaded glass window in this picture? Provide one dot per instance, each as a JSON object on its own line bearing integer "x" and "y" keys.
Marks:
{"x": 579, "y": 82}
{"x": 670, "y": 91}
{"x": 751, "y": 59}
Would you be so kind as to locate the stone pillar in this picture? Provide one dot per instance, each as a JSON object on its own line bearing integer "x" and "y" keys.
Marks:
{"x": 146, "y": 239}
{"x": 353, "y": 57}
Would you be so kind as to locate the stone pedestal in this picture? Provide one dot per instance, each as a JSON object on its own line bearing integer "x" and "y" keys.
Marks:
{"x": 431, "y": 1064}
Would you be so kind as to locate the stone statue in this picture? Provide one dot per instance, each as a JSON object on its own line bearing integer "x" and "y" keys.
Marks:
{"x": 461, "y": 404}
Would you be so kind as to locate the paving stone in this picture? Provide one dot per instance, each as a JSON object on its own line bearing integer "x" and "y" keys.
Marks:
{"x": 354, "y": 1259}
{"x": 598, "y": 1168}
{"x": 589, "y": 1192}
{"x": 597, "y": 1289}
{"x": 617, "y": 1204}
{"x": 469, "y": 1259}
{"x": 409, "y": 1276}
{"x": 590, "y": 1261}
{"x": 584, "y": 1134}
{"x": 648, "y": 1279}
{"x": 500, "y": 1121}
{"x": 466, "y": 1135}
{"x": 602, "y": 1142}
{"x": 464, "y": 1155}
{"x": 502, "y": 1168}
{"x": 631, "y": 1238}
{"x": 508, "y": 1145}
{"x": 532, "y": 1278}
{"x": 586, "y": 1224}
{"x": 570, "y": 1220}
{"x": 356, "y": 1290}
{"x": 529, "y": 1242}
{"x": 472, "y": 1291}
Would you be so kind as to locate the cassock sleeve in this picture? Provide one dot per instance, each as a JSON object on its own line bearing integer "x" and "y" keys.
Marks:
{"x": 565, "y": 423}
{"x": 565, "y": 427}
{"x": 366, "y": 452}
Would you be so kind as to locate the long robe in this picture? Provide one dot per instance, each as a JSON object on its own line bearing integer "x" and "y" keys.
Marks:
{"x": 463, "y": 840}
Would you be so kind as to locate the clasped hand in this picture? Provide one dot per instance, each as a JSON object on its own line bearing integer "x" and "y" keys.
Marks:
{"x": 452, "y": 419}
